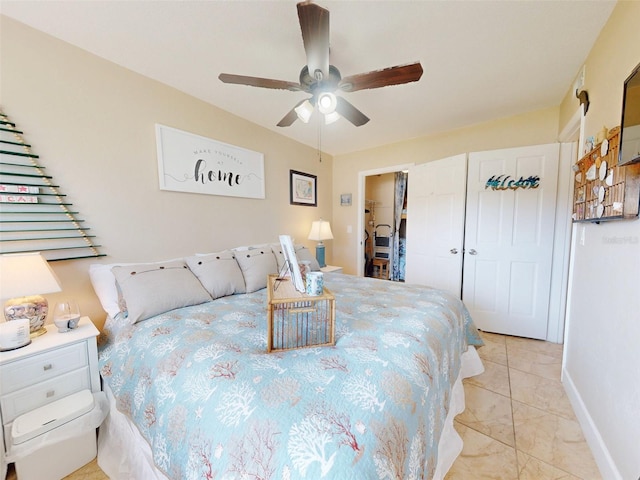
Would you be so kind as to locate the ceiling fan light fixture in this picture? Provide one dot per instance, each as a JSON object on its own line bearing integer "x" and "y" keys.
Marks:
{"x": 304, "y": 111}
{"x": 330, "y": 118}
{"x": 320, "y": 79}
{"x": 327, "y": 103}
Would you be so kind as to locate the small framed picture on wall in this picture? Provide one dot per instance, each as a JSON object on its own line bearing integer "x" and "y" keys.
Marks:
{"x": 345, "y": 200}
{"x": 303, "y": 189}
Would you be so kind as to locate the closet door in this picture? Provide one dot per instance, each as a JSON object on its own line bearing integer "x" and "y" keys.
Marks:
{"x": 435, "y": 223}
{"x": 509, "y": 236}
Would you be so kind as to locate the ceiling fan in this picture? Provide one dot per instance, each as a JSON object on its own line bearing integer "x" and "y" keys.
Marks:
{"x": 321, "y": 80}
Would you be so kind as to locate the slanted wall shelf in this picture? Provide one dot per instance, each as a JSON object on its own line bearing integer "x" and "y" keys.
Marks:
{"x": 603, "y": 190}
{"x": 34, "y": 215}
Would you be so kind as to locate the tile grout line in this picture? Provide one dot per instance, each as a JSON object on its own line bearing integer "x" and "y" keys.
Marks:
{"x": 513, "y": 421}
{"x": 538, "y": 408}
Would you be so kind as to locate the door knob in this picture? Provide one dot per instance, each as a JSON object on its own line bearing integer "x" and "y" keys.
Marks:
{"x": 472, "y": 252}
{"x": 453, "y": 251}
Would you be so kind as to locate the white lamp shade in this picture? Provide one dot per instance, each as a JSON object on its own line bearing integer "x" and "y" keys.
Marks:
{"x": 320, "y": 230}
{"x": 304, "y": 111}
{"x": 26, "y": 274}
{"x": 330, "y": 118}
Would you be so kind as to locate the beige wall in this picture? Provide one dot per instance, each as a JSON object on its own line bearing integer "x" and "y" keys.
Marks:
{"x": 528, "y": 129}
{"x": 603, "y": 323}
{"x": 92, "y": 123}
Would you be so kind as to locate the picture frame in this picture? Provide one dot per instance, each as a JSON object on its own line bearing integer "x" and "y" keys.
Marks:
{"x": 345, "y": 200}
{"x": 303, "y": 189}
{"x": 291, "y": 262}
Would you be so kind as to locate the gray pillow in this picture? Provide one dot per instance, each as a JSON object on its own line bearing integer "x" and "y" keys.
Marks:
{"x": 256, "y": 265}
{"x": 154, "y": 288}
{"x": 276, "y": 248}
{"x": 218, "y": 272}
{"x": 303, "y": 253}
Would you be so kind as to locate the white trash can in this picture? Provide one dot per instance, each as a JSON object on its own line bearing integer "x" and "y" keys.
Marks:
{"x": 54, "y": 440}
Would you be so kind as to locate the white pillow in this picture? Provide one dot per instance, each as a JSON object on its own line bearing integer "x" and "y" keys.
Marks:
{"x": 219, "y": 273}
{"x": 151, "y": 289}
{"x": 104, "y": 284}
{"x": 250, "y": 247}
{"x": 256, "y": 265}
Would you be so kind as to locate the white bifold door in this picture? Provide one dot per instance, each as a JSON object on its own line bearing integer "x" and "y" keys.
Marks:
{"x": 509, "y": 239}
{"x": 435, "y": 223}
{"x": 473, "y": 226}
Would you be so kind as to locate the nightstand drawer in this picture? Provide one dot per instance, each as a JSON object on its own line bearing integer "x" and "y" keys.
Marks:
{"x": 27, "y": 399}
{"x": 38, "y": 368}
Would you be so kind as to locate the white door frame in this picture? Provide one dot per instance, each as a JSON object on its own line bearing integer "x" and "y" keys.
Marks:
{"x": 362, "y": 176}
{"x": 575, "y": 126}
{"x": 561, "y": 245}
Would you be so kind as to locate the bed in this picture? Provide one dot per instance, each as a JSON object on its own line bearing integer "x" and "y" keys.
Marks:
{"x": 194, "y": 395}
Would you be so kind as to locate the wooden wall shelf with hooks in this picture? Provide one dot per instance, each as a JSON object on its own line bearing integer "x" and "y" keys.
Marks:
{"x": 604, "y": 191}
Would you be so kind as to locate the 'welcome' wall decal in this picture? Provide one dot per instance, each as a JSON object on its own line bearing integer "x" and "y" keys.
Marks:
{"x": 505, "y": 182}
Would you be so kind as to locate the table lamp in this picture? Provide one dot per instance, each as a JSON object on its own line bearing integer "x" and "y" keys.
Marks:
{"x": 320, "y": 230}
{"x": 24, "y": 278}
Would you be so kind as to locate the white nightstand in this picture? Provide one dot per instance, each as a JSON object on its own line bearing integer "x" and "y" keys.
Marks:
{"x": 51, "y": 367}
{"x": 331, "y": 269}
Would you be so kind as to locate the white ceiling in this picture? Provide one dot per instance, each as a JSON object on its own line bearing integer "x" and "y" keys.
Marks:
{"x": 482, "y": 60}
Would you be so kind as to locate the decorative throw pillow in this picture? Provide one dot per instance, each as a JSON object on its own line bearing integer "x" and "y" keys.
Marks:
{"x": 256, "y": 265}
{"x": 276, "y": 248}
{"x": 219, "y": 273}
{"x": 153, "y": 288}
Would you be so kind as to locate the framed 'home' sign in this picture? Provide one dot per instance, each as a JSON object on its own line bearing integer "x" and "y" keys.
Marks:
{"x": 195, "y": 164}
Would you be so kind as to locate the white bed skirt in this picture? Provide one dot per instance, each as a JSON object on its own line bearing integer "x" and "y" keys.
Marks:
{"x": 123, "y": 454}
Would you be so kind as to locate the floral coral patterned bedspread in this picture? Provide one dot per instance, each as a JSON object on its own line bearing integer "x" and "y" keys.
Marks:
{"x": 212, "y": 403}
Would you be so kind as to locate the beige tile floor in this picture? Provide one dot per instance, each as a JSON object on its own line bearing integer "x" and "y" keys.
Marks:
{"x": 518, "y": 424}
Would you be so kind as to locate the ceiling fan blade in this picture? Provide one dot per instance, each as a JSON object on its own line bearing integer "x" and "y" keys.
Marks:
{"x": 314, "y": 23}
{"x": 259, "y": 82}
{"x": 350, "y": 112}
{"x": 382, "y": 78}
{"x": 292, "y": 116}
{"x": 289, "y": 118}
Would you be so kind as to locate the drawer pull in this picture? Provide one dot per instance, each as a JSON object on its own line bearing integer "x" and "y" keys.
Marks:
{"x": 48, "y": 366}
{"x": 51, "y": 393}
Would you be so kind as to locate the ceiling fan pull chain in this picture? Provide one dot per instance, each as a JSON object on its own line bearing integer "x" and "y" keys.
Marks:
{"x": 320, "y": 141}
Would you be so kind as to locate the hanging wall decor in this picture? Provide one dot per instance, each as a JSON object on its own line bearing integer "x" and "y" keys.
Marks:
{"x": 302, "y": 189}
{"x": 34, "y": 215}
{"x": 603, "y": 189}
{"x": 195, "y": 164}
{"x": 506, "y": 182}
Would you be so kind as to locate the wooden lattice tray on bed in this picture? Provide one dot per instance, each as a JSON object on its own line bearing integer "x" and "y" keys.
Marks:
{"x": 298, "y": 320}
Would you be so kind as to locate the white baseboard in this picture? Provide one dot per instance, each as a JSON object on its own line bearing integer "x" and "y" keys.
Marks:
{"x": 598, "y": 448}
